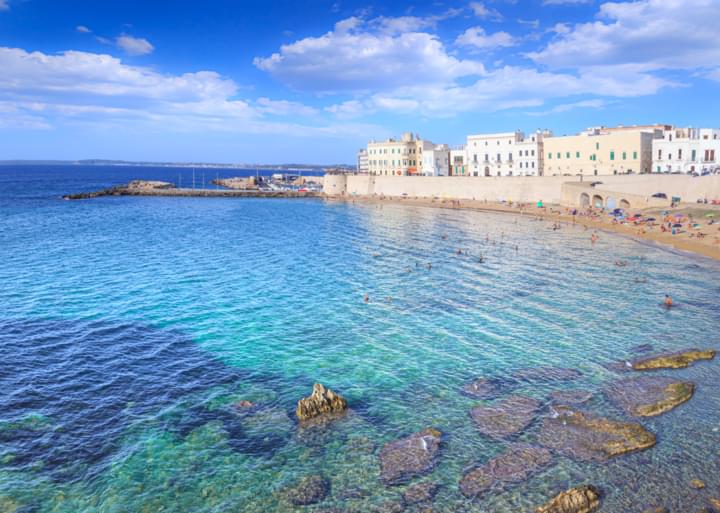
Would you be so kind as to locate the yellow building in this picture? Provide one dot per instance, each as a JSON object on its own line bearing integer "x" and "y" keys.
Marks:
{"x": 397, "y": 157}
{"x": 601, "y": 151}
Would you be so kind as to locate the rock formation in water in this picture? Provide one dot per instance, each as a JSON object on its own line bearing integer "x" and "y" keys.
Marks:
{"x": 481, "y": 388}
{"x": 568, "y": 397}
{"x": 421, "y": 492}
{"x": 516, "y": 464}
{"x": 648, "y": 396}
{"x": 582, "y": 499}
{"x": 507, "y": 417}
{"x": 677, "y": 360}
{"x": 589, "y": 438}
{"x": 409, "y": 457}
{"x": 321, "y": 401}
{"x": 307, "y": 490}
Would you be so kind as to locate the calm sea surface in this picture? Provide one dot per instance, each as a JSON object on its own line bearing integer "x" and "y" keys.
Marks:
{"x": 130, "y": 326}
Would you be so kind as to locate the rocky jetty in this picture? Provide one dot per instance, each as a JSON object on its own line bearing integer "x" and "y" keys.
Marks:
{"x": 321, "y": 401}
{"x": 678, "y": 360}
{"x": 307, "y": 490}
{"x": 582, "y": 499}
{"x": 516, "y": 464}
{"x": 137, "y": 185}
{"x": 648, "y": 396}
{"x": 481, "y": 388}
{"x": 507, "y": 417}
{"x": 238, "y": 182}
{"x": 409, "y": 457}
{"x": 589, "y": 438}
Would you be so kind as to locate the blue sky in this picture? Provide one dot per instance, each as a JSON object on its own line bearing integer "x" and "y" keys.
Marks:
{"x": 222, "y": 81}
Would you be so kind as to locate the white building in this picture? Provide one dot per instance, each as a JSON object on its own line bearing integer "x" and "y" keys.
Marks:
{"x": 436, "y": 161}
{"x": 362, "y": 161}
{"x": 458, "y": 159}
{"x": 504, "y": 154}
{"x": 687, "y": 150}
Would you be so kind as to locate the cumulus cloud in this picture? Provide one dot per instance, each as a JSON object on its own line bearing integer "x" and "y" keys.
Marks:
{"x": 284, "y": 107}
{"x": 566, "y": 107}
{"x": 83, "y": 29}
{"x": 355, "y": 57}
{"x": 134, "y": 45}
{"x": 482, "y": 11}
{"x": 4, "y": 5}
{"x": 476, "y": 37}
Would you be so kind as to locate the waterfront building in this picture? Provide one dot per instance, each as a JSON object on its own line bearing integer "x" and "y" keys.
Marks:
{"x": 436, "y": 161}
{"x": 399, "y": 157}
{"x": 362, "y": 161}
{"x": 687, "y": 150}
{"x": 505, "y": 154}
{"x": 602, "y": 151}
{"x": 458, "y": 160}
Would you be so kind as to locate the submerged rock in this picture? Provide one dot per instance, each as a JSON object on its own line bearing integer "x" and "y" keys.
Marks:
{"x": 307, "y": 490}
{"x": 409, "y": 457}
{"x": 677, "y": 360}
{"x": 507, "y": 417}
{"x": 481, "y": 388}
{"x": 582, "y": 499}
{"x": 589, "y": 438}
{"x": 570, "y": 397}
{"x": 515, "y": 465}
{"x": 321, "y": 401}
{"x": 650, "y": 395}
{"x": 546, "y": 374}
{"x": 421, "y": 492}
{"x": 697, "y": 484}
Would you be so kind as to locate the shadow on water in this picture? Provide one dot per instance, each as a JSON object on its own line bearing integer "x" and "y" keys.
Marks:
{"x": 71, "y": 389}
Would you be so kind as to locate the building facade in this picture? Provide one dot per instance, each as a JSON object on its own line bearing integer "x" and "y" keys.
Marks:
{"x": 436, "y": 161}
{"x": 458, "y": 161}
{"x": 687, "y": 150}
{"x": 362, "y": 161}
{"x": 398, "y": 157}
{"x": 505, "y": 154}
{"x": 601, "y": 151}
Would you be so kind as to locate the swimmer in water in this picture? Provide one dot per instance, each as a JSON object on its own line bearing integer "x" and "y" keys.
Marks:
{"x": 429, "y": 266}
{"x": 366, "y": 299}
{"x": 668, "y": 302}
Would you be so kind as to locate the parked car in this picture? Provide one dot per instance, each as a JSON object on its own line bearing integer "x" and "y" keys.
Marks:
{"x": 661, "y": 195}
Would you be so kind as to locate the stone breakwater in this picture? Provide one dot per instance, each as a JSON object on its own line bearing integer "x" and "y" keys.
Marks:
{"x": 150, "y": 188}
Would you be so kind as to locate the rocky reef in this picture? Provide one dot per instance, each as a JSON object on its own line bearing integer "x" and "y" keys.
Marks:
{"x": 307, "y": 490}
{"x": 409, "y": 457}
{"x": 589, "y": 438}
{"x": 515, "y": 465}
{"x": 566, "y": 397}
{"x": 648, "y": 396}
{"x": 507, "y": 417}
{"x": 678, "y": 360}
{"x": 581, "y": 499}
{"x": 321, "y": 401}
{"x": 481, "y": 388}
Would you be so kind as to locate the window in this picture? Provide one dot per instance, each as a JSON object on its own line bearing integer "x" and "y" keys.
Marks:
{"x": 597, "y": 145}
{"x": 659, "y": 154}
{"x": 549, "y": 155}
{"x": 510, "y": 157}
{"x": 532, "y": 153}
{"x": 612, "y": 155}
{"x": 533, "y": 165}
{"x": 634, "y": 155}
{"x": 693, "y": 155}
{"x": 679, "y": 154}
{"x": 487, "y": 157}
{"x": 577, "y": 154}
{"x": 624, "y": 155}
{"x": 498, "y": 157}
{"x": 567, "y": 155}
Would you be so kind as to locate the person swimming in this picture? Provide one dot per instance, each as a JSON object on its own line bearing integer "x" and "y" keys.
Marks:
{"x": 668, "y": 302}
{"x": 366, "y": 299}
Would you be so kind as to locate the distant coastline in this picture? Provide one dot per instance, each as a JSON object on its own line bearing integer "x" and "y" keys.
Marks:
{"x": 315, "y": 168}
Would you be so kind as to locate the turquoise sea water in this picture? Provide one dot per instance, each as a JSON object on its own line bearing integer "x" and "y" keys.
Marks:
{"x": 130, "y": 326}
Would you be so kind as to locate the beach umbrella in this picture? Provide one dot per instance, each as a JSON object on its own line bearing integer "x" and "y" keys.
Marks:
{"x": 677, "y": 225}
{"x": 650, "y": 219}
{"x": 678, "y": 215}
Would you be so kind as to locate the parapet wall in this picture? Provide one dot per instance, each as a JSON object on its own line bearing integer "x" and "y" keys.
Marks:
{"x": 531, "y": 189}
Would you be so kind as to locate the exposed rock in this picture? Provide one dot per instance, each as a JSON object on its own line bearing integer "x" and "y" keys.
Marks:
{"x": 481, "y": 388}
{"x": 658, "y": 509}
{"x": 697, "y": 484}
{"x": 582, "y": 499}
{"x": 149, "y": 185}
{"x": 677, "y": 360}
{"x": 515, "y": 465}
{"x": 648, "y": 396}
{"x": 321, "y": 401}
{"x": 241, "y": 405}
{"x": 420, "y": 492}
{"x": 570, "y": 396}
{"x": 409, "y": 457}
{"x": 586, "y": 437}
{"x": 546, "y": 374}
{"x": 507, "y": 417}
{"x": 307, "y": 490}
{"x": 715, "y": 502}
{"x": 389, "y": 507}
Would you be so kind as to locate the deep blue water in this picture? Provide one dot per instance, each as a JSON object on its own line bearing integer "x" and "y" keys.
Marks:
{"x": 130, "y": 326}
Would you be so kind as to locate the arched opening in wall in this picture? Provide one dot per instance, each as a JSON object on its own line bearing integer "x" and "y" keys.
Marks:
{"x": 611, "y": 203}
{"x": 487, "y": 171}
{"x": 584, "y": 200}
{"x": 597, "y": 201}
{"x": 624, "y": 204}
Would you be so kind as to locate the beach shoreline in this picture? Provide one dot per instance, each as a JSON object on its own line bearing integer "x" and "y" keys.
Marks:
{"x": 707, "y": 247}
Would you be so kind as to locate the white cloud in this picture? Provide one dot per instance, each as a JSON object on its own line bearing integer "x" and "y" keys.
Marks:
{"x": 284, "y": 107}
{"x": 482, "y": 11}
{"x": 530, "y": 23}
{"x": 83, "y": 29}
{"x": 4, "y": 5}
{"x": 356, "y": 57}
{"x": 348, "y": 109}
{"x": 566, "y": 2}
{"x": 566, "y": 107}
{"x": 134, "y": 45}
{"x": 477, "y": 38}
{"x": 649, "y": 34}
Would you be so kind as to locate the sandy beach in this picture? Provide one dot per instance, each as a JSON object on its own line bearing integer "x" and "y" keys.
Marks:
{"x": 685, "y": 239}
